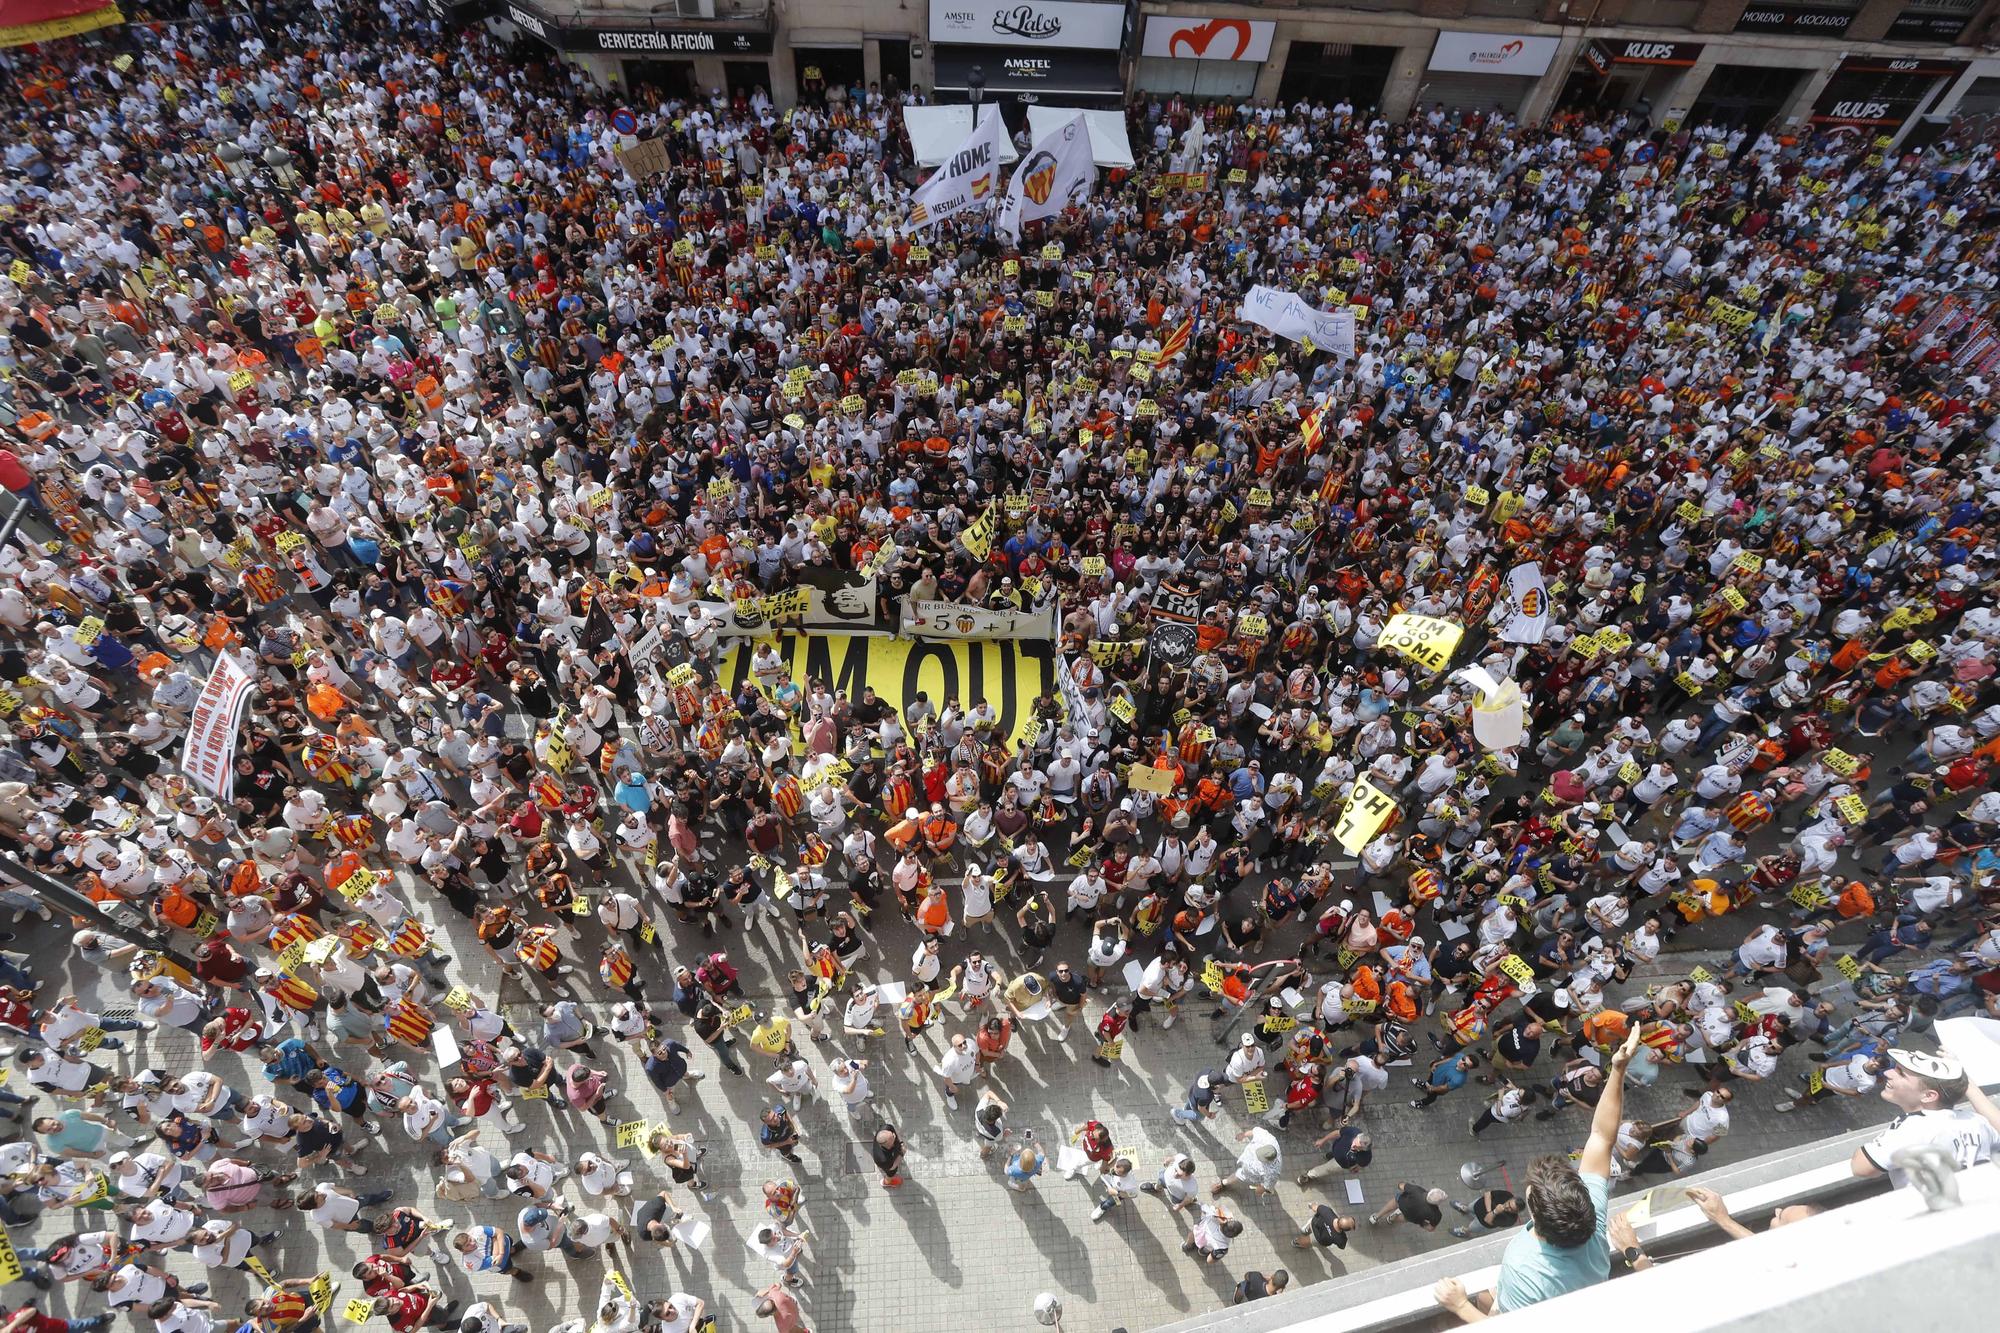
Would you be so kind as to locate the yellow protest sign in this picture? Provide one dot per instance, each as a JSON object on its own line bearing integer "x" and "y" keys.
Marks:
{"x": 631, "y": 1133}
{"x": 977, "y": 538}
{"x": 1426, "y": 640}
{"x": 358, "y": 1311}
{"x": 1841, "y": 762}
{"x": 1851, "y": 808}
{"x": 1368, "y": 808}
{"x": 1144, "y": 777}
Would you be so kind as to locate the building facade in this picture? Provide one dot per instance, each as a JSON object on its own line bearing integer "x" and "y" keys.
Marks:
{"x": 1879, "y": 67}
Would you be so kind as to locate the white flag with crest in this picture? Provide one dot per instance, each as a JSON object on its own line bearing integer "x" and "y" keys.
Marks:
{"x": 1056, "y": 173}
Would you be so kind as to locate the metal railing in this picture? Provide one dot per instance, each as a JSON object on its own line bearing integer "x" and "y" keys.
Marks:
{"x": 1396, "y": 1298}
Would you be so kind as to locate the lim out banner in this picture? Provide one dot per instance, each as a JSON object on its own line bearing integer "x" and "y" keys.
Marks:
{"x": 1010, "y": 674}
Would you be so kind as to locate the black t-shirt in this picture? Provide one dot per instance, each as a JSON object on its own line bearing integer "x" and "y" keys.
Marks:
{"x": 885, "y": 1158}
{"x": 1543, "y": 1005}
{"x": 319, "y": 1134}
{"x": 1202, "y": 1098}
{"x": 1067, "y": 989}
{"x": 529, "y": 1069}
{"x": 1488, "y": 1208}
{"x": 649, "y": 1212}
{"x": 669, "y": 1068}
{"x": 1253, "y": 1287}
{"x": 1417, "y": 1209}
{"x": 1341, "y": 1149}
{"x": 1324, "y": 1232}
{"x": 1578, "y": 1083}
{"x": 865, "y": 785}
{"x": 1517, "y": 1048}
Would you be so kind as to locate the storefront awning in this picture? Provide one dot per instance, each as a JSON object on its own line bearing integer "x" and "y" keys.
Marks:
{"x": 1030, "y": 75}
{"x": 609, "y": 34}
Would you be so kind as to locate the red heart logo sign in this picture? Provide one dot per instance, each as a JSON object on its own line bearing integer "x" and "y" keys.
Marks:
{"x": 1197, "y": 39}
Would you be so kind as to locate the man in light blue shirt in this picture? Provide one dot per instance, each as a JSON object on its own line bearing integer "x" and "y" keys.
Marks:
{"x": 1564, "y": 1247}
{"x": 1247, "y": 782}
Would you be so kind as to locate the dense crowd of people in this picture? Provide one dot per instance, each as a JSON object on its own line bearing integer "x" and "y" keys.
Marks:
{"x": 348, "y": 357}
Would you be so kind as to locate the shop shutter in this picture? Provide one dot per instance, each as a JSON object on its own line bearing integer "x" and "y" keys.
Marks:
{"x": 1471, "y": 92}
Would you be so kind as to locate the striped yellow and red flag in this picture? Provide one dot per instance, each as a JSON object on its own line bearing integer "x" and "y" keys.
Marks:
{"x": 1177, "y": 341}
{"x": 1314, "y": 428}
{"x": 410, "y": 1023}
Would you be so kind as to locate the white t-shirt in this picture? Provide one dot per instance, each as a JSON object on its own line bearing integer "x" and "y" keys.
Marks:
{"x": 335, "y": 1208}
{"x": 679, "y": 1317}
{"x": 1176, "y": 1188}
{"x": 1708, "y": 1120}
{"x": 184, "y": 1319}
{"x": 1961, "y": 1131}
{"x": 1765, "y": 949}
{"x": 1854, "y": 1076}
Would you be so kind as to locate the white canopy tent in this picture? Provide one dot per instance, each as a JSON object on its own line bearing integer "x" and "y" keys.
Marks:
{"x": 1109, "y": 145}
{"x": 937, "y": 131}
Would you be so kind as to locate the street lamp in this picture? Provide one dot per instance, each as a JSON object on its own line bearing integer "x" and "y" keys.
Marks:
{"x": 975, "y": 88}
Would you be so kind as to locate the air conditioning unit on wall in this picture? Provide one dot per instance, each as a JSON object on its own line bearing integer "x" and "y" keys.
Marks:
{"x": 695, "y": 9}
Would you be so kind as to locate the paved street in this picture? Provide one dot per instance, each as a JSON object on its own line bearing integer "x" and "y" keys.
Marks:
{"x": 953, "y": 1249}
